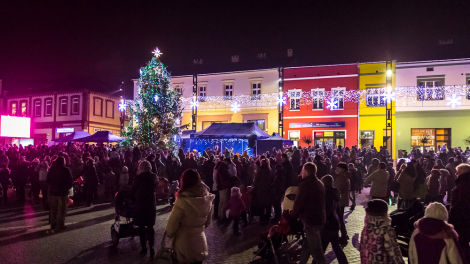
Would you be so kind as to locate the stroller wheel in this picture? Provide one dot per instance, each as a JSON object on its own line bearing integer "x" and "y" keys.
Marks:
{"x": 114, "y": 237}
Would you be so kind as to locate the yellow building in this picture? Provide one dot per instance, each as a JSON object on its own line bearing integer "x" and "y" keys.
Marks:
{"x": 253, "y": 93}
{"x": 372, "y": 109}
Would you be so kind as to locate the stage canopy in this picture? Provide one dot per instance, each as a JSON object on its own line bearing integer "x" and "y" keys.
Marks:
{"x": 73, "y": 136}
{"x": 187, "y": 133}
{"x": 277, "y": 137}
{"x": 275, "y": 141}
{"x": 231, "y": 131}
{"x": 101, "y": 136}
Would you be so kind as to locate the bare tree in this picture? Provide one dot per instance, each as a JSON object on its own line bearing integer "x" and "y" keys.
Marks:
{"x": 467, "y": 140}
{"x": 425, "y": 139}
{"x": 307, "y": 140}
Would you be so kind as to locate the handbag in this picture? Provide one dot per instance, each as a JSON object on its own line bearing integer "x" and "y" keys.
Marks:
{"x": 164, "y": 254}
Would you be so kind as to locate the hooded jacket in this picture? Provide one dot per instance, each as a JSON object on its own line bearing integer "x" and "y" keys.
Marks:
{"x": 459, "y": 214}
{"x": 434, "y": 242}
{"x": 379, "y": 242}
{"x": 188, "y": 219}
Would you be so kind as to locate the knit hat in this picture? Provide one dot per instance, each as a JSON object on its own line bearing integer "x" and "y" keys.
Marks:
{"x": 377, "y": 207}
{"x": 437, "y": 211}
{"x": 236, "y": 191}
{"x": 289, "y": 198}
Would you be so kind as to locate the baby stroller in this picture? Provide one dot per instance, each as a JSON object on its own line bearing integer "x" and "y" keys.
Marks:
{"x": 123, "y": 206}
{"x": 282, "y": 243}
{"x": 163, "y": 190}
{"x": 403, "y": 223}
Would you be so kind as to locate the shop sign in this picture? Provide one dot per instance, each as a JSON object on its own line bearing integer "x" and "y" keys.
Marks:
{"x": 340, "y": 134}
{"x": 328, "y": 133}
{"x": 65, "y": 130}
{"x": 318, "y": 134}
{"x": 422, "y": 136}
{"x": 317, "y": 124}
{"x": 367, "y": 134}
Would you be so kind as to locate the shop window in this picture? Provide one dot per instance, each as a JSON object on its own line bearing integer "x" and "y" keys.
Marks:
{"x": 48, "y": 107}
{"x": 338, "y": 94}
{"x": 294, "y": 99}
{"x": 63, "y": 101}
{"x": 13, "y": 108}
{"x": 375, "y": 97}
{"x": 260, "y": 123}
{"x": 23, "y": 109}
{"x": 98, "y": 106}
{"x": 256, "y": 91}
{"x": 109, "y": 109}
{"x": 75, "y": 108}
{"x": 367, "y": 138}
{"x": 431, "y": 90}
{"x": 179, "y": 89}
{"x": 294, "y": 136}
{"x": 37, "y": 107}
{"x": 317, "y": 99}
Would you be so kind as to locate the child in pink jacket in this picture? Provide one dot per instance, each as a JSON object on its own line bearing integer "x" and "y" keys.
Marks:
{"x": 237, "y": 209}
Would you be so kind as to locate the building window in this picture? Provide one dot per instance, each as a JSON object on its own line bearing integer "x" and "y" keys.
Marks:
{"x": 23, "y": 110}
{"x": 228, "y": 88}
{"x": 468, "y": 88}
{"x": 37, "y": 107}
{"x": 63, "y": 101}
{"x": 75, "y": 108}
{"x": 202, "y": 93}
{"x": 294, "y": 136}
{"x": 97, "y": 106}
{"x": 317, "y": 99}
{"x": 14, "y": 108}
{"x": 431, "y": 90}
{"x": 375, "y": 97}
{"x": 260, "y": 123}
{"x": 48, "y": 107}
{"x": 256, "y": 91}
{"x": 338, "y": 94}
{"x": 179, "y": 90}
{"x": 294, "y": 99}
{"x": 109, "y": 109}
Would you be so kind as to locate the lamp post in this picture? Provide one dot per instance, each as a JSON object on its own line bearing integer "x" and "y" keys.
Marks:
{"x": 389, "y": 98}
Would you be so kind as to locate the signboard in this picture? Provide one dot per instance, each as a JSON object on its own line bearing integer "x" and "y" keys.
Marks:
{"x": 340, "y": 134}
{"x": 317, "y": 124}
{"x": 328, "y": 133}
{"x": 65, "y": 130}
{"x": 367, "y": 134}
{"x": 318, "y": 134}
{"x": 15, "y": 126}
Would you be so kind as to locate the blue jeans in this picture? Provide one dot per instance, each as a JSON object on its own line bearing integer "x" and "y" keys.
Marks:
{"x": 312, "y": 245}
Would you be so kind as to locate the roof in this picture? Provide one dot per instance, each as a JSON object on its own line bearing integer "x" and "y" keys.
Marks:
{"x": 73, "y": 137}
{"x": 231, "y": 130}
{"x": 277, "y": 137}
{"x": 101, "y": 136}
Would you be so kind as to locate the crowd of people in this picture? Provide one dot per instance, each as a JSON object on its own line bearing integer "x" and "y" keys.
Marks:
{"x": 229, "y": 187}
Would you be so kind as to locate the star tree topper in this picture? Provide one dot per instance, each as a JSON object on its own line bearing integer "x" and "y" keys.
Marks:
{"x": 157, "y": 53}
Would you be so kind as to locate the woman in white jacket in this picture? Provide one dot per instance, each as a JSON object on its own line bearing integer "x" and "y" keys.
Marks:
{"x": 434, "y": 241}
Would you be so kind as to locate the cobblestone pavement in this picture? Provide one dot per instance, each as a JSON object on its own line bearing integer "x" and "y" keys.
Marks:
{"x": 87, "y": 239}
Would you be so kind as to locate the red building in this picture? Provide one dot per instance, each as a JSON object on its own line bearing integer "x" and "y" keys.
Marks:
{"x": 320, "y": 104}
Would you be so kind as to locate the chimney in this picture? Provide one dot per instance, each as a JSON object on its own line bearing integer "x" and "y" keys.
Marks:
{"x": 290, "y": 53}
{"x": 235, "y": 58}
{"x": 262, "y": 56}
{"x": 197, "y": 61}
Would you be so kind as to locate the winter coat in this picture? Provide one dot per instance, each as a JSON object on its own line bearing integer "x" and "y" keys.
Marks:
{"x": 459, "y": 214}
{"x": 59, "y": 180}
{"x": 222, "y": 178}
{"x": 288, "y": 172}
{"x": 434, "y": 242}
{"x": 190, "y": 216}
{"x": 379, "y": 181}
{"x": 90, "y": 175}
{"x": 143, "y": 190}
{"x": 332, "y": 198}
{"x": 322, "y": 169}
{"x": 262, "y": 189}
{"x": 22, "y": 173}
{"x": 123, "y": 180}
{"x": 379, "y": 242}
{"x": 309, "y": 204}
{"x": 433, "y": 184}
{"x": 406, "y": 190}
{"x": 343, "y": 185}
{"x": 235, "y": 205}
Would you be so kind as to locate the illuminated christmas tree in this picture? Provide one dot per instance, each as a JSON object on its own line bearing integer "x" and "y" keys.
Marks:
{"x": 156, "y": 110}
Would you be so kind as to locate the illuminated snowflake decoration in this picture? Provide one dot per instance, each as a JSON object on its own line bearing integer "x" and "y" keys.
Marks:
{"x": 177, "y": 121}
{"x": 194, "y": 104}
{"x": 235, "y": 107}
{"x": 281, "y": 100}
{"x": 165, "y": 140}
{"x": 454, "y": 100}
{"x": 157, "y": 53}
{"x": 332, "y": 104}
{"x": 156, "y": 98}
{"x": 389, "y": 96}
{"x": 122, "y": 106}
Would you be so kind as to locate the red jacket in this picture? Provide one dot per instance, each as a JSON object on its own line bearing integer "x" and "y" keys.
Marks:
{"x": 235, "y": 205}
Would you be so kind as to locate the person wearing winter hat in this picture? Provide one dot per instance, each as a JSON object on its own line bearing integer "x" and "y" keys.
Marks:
{"x": 432, "y": 181}
{"x": 378, "y": 239}
{"x": 237, "y": 209}
{"x": 434, "y": 241}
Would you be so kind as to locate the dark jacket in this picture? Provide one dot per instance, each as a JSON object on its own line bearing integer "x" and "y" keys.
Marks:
{"x": 322, "y": 169}
{"x": 310, "y": 202}
{"x": 223, "y": 178}
{"x": 59, "y": 180}
{"x": 288, "y": 173}
{"x": 331, "y": 208}
{"x": 262, "y": 189}
{"x": 143, "y": 190}
{"x": 90, "y": 175}
{"x": 459, "y": 214}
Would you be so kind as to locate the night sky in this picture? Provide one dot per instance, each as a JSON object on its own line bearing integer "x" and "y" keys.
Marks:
{"x": 111, "y": 40}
